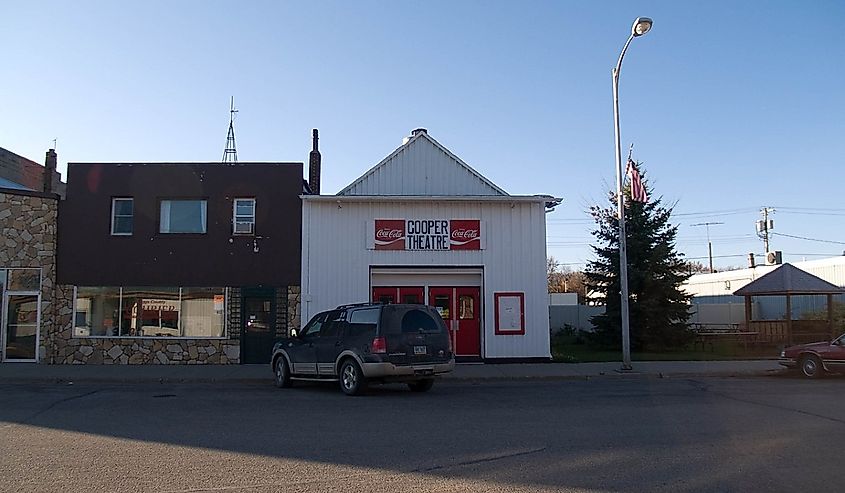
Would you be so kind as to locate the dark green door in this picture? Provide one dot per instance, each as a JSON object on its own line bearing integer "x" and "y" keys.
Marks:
{"x": 258, "y": 332}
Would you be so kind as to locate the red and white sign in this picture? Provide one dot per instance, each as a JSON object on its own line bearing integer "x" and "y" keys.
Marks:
{"x": 390, "y": 234}
{"x": 465, "y": 234}
{"x": 427, "y": 234}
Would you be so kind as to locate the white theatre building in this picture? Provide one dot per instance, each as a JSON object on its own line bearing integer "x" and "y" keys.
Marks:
{"x": 424, "y": 227}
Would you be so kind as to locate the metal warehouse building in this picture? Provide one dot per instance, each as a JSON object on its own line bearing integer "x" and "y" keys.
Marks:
{"x": 424, "y": 227}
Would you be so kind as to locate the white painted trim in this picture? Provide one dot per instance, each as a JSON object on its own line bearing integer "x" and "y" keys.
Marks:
{"x": 235, "y": 216}
{"x": 422, "y": 135}
{"x": 431, "y": 198}
{"x": 113, "y": 200}
{"x": 415, "y": 270}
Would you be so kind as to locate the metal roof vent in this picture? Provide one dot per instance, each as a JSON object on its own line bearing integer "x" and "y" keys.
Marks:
{"x": 414, "y": 133}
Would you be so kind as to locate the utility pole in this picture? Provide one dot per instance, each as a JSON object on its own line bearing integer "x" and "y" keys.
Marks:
{"x": 709, "y": 245}
{"x": 764, "y": 225}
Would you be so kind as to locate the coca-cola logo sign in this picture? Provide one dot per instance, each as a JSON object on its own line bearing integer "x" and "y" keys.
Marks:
{"x": 390, "y": 234}
{"x": 466, "y": 234}
{"x": 427, "y": 234}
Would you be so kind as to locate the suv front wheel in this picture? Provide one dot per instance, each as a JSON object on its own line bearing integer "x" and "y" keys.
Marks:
{"x": 282, "y": 379}
{"x": 352, "y": 381}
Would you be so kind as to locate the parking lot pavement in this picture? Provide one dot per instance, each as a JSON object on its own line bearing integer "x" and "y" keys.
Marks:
{"x": 600, "y": 434}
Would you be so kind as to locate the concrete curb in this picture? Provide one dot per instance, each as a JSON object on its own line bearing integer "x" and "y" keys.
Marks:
{"x": 118, "y": 380}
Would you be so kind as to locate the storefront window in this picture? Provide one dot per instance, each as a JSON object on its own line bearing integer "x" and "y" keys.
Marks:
{"x": 97, "y": 312}
{"x": 149, "y": 312}
{"x": 24, "y": 279}
{"x": 202, "y": 312}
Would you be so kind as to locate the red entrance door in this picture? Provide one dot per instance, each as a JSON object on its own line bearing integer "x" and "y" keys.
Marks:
{"x": 405, "y": 294}
{"x": 460, "y": 309}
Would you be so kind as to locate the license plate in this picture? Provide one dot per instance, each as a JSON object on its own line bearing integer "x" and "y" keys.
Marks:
{"x": 419, "y": 349}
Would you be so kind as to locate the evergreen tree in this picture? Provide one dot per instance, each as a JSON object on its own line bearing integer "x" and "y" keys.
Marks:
{"x": 658, "y": 311}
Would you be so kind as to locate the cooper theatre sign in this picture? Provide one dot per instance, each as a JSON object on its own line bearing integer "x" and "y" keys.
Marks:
{"x": 427, "y": 234}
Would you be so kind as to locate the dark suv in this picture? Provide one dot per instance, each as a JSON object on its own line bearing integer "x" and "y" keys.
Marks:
{"x": 359, "y": 344}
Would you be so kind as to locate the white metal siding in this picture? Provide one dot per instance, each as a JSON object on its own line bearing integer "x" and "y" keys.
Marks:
{"x": 831, "y": 270}
{"x": 421, "y": 168}
{"x": 336, "y": 261}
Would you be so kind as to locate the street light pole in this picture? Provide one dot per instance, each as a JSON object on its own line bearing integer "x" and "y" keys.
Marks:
{"x": 641, "y": 26}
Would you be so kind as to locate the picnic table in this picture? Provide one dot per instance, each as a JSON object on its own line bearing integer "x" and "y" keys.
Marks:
{"x": 709, "y": 333}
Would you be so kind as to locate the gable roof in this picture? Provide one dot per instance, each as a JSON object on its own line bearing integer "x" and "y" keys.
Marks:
{"x": 788, "y": 279}
{"x": 422, "y": 166}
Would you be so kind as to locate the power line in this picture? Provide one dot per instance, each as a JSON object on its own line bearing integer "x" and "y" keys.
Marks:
{"x": 810, "y": 239}
{"x": 810, "y": 209}
{"x": 807, "y": 213}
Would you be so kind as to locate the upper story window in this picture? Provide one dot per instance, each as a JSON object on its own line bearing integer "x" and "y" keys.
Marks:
{"x": 122, "y": 210}
{"x": 243, "y": 216}
{"x": 182, "y": 216}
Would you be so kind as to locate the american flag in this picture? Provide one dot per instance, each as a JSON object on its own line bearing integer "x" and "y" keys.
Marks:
{"x": 638, "y": 193}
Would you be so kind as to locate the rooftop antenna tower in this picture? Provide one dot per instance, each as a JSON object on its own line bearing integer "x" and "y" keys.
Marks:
{"x": 230, "y": 154}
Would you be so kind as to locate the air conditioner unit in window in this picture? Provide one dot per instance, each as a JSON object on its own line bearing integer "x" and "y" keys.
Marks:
{"x": 243, "y": 228}
{"x": 774, "y": 258}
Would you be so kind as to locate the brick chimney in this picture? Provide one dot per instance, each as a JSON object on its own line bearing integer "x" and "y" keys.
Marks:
{"x": 50, "y": 163}
{"x": 314, "y": 160}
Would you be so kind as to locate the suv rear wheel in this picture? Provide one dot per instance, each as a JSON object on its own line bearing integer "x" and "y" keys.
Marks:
{"x": 352, "y": 381}
{"x": 422, "y": 385}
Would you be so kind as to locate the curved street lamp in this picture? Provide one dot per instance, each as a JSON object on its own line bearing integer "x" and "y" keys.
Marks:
{"x": 641, "y": 26}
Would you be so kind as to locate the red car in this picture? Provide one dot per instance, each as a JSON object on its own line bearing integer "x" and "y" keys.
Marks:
{"x": 817, "y": 358}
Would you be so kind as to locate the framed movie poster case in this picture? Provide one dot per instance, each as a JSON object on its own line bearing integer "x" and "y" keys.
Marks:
{"x": 510, "y": 313}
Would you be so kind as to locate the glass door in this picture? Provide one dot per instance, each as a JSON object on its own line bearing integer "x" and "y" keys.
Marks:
{"x": 259, "y": 325}
{"x": 20, "y": 331}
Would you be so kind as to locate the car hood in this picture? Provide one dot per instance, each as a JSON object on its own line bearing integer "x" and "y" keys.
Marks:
{"x": 801, "y": 347}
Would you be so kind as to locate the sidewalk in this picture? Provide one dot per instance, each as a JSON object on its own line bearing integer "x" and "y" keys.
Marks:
{"x": 36, "y": 373}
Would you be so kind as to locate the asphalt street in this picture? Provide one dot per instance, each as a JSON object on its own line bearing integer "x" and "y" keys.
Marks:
{"x": 599, "y": 434}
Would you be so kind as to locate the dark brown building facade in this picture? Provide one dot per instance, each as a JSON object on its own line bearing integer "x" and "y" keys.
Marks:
{"x": 179, "y": 263}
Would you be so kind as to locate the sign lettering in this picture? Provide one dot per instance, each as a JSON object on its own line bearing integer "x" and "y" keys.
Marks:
{"x": 427, "y": 234}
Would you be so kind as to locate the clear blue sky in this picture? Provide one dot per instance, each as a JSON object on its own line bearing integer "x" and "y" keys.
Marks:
{"x": 732, "y": 106}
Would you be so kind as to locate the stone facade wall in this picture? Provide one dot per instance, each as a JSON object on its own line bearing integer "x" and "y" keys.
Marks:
{"x": 281, "y": 303}
{"x": 28, "y": 239}
{"x": 294, "y": 303}
{"x": 66, "y": 349}
{"x": 28, "y": 226}
{"x": 233, "y": 305}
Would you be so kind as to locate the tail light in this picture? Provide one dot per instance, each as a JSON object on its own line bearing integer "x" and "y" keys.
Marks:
{"x": 379, "y": 346}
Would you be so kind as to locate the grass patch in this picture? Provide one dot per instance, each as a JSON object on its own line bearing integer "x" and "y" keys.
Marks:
{"x": 575, "y": 348}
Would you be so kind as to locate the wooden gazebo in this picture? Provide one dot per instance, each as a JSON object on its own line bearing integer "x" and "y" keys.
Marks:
{"x": 788, "y": 280}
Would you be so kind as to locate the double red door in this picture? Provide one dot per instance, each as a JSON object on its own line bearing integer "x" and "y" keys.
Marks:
{"x": 461, "y": 311}
{"x": 404, "y": 294}
{"x": 459, "y": 307}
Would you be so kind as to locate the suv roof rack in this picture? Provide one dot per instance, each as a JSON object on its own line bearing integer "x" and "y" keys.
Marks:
{"x": 352, "y": 305}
